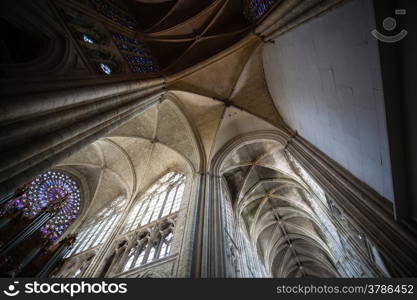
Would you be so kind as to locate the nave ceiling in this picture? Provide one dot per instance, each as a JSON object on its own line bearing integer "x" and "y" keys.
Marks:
{"x": 214, "y": 90}
{"x": 131, "y": 158}
{"x": 270, "y": 202}
{"x": 197, "y": 116}
{"x": 227, "y": 97}
{"x": 185, "y": 32}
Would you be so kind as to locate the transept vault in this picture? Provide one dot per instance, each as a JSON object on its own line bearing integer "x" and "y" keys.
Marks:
{"x": 187, "y": 146}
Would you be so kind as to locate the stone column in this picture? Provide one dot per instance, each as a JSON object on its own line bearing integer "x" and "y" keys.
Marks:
{"x": 34, "y": 225}
{"x": 12, "y": 195}
{"x": 40, "y": 128}
{"x": 31, "y": 256}
{"x": 6, "y": 219}
{"x": 213, "y": 261}
{"x": 58, "y": 254}
{"x": 367, "y": 210}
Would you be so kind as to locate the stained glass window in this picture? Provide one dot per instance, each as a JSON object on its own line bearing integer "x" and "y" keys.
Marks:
{"x": 248, "y": 264}
{"x": 112, "y": 11}
{"x": 162, "y": 199}
{"x": 97, "y": 230}
{"x": 153, "y": 244}
{"x": 44, "y": 189}
{"x": 136, "y": 54}
{"x": 87, "y": 38}
{"x": 105, "y": 68}
{"x": 166, "y": 245}
{"x": 255, "y": 9}
{"x": 306, "y": 177}
{"x": 93, "y": 41}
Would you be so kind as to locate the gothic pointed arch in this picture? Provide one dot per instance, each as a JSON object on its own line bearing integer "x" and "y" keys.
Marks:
{"x": 51, "y": 52}
{"x": 148, "y": 231}
{"x": 291, "y": 231}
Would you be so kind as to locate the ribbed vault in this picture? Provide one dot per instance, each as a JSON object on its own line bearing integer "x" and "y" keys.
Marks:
{"x": 136, "y": 154}
{"x": 272, "y": 206}
{"x": 189, "y": 31}
{"x": 227, "y": 97}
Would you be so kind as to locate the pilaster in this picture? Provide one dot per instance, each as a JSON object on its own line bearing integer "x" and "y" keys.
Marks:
{"x": 367, "y": 210}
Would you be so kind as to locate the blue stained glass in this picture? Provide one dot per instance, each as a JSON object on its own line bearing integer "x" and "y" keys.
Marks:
{"x": 255, "y": 9}
{"x": 87, "y": 39}
{"x": 138, "y": 60}
{"x": 139, "y": 57}
{"x": 46, "y": 188}
{"x": 106, "y": 69}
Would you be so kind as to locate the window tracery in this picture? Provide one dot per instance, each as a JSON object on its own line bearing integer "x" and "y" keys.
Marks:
{"x": 152, "y": 242}
{"x": 74, "y": 267}
{"x": 43, "y": 190}
{"x": 342, "y": 238}
{"x": 99, "y": 228}
{"x": 93, "y": 41}
{"x": 243, "y": 258}
{"x": 149, "y": 228}
{"x": 136, "y": 53}
{"x": 317, "y": 190}
{"x": 162, "y": 199}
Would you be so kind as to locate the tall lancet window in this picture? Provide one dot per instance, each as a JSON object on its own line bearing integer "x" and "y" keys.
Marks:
{"x": 136, "y": 53}
{"x": 162, "y": 199}
{"x": 98, "y": 229}
{"x": 93, "y": 41}
{"x": 46, "y": 188}
{"x": 150, "y": 225}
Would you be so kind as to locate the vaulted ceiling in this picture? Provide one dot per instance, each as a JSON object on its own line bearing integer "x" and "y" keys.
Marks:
{"x": 227, "y": 97}
{"x": 216, "y": 92}
{"x": 270, "y": 202}
{"x": 132, "y": 157}
{"x": 182, "y": 33}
